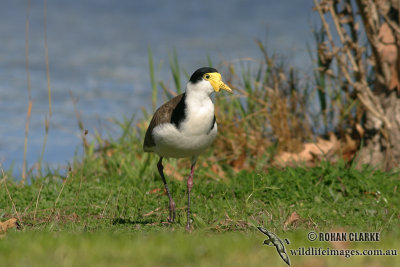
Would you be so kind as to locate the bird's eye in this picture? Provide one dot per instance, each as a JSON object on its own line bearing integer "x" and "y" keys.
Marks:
{"x": 206, "y": 76}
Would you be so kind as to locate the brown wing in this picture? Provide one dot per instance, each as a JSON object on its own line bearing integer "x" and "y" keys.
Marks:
{"x": 162, "y": 115}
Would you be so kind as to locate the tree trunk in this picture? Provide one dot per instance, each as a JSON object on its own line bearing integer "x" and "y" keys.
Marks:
{"x": 381, "y": 146}
{"x": 382, "y": 143}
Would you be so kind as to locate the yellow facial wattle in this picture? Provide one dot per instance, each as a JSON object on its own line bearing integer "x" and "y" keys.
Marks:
{"x": 216, "y": 82}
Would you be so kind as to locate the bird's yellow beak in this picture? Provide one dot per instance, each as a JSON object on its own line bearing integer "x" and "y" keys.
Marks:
{"x": 216, "y": 81}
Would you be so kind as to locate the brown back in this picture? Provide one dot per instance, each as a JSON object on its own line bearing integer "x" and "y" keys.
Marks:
{"x": 162, "y": 115}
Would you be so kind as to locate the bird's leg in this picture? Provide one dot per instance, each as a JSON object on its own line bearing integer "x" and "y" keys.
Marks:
{"x": 189, "y": 188}
{"x": 172, "y": 212}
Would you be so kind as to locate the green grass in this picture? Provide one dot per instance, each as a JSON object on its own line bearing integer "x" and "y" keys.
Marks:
{"x": 165, "y": 249}
{"x": 103, "y": 216}
{"x": 325, "y": 197}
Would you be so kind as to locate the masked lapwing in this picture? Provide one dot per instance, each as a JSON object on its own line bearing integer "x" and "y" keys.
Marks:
{"x": 185, "y": 126}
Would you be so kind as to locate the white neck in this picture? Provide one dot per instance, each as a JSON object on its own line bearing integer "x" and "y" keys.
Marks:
{"x": 199, "y": 108}
{"x": 200, "y": 88}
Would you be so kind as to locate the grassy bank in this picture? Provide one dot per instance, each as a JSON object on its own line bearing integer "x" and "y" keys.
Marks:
{"x": 113, "y": 211}
{"x": 325, "y": 197}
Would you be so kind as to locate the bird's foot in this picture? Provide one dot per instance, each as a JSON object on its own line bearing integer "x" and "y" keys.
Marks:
{"x": 188, "y": 228}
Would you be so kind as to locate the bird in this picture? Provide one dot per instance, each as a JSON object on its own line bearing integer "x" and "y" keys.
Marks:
{"x": 185, "y": 126}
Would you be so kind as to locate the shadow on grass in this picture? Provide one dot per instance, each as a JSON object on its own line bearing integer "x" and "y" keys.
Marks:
{"x": 132, "y": 222}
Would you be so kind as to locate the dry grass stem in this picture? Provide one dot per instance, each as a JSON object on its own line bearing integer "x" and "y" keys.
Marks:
{"x": 37, "y": 203}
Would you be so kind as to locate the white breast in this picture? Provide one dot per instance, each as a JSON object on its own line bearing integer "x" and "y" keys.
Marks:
{"x": 170, "y": 142}
{"x": 199, "y": 116}
{"x": 194, "y": 134}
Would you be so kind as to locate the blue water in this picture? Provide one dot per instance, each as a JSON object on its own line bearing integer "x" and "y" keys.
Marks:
{"x": 98, "y": 52}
